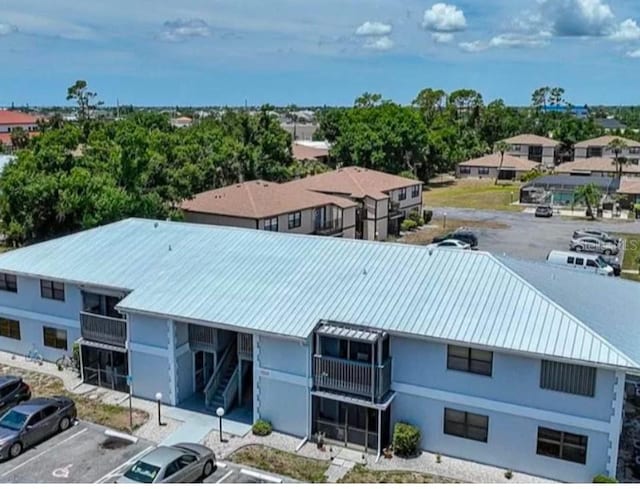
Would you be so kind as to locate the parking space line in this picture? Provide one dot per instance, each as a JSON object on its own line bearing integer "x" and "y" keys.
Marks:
{"x": 258, "y": 475}
{"x": 224, "y": 477}
{"x": 42, "y": 453}
{"x": 124, "y": 464}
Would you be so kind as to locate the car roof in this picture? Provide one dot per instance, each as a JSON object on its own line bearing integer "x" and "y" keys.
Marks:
{"x": 33, "y": 405}
{"x": 162, "y": 456}
{"x": 8, "y": 379}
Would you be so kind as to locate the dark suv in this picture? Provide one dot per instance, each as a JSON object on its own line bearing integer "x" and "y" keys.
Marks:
{"x": 461, "y": 234}
{"x": 13, "y": 391}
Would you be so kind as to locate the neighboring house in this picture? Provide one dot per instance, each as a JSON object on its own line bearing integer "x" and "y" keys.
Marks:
{"x": 513, "y": 167}
{"x": 610, "y": 124}
{"x": 300, "y": 131}
{"x": 534, "y": 148}
{"x": 598, "y": 148}
{"x": 310, "y": 151}
{"x": 11, "y": 120}
{"x": 559, "y": 189}
{"x": 629, "y": 191}
{"x": 179, "y": 122}
{"x": 496, "y": 361}
{"x": 597, "y": 167}
{"x": 273, "y": 207}
{"x": 384, "y": 200}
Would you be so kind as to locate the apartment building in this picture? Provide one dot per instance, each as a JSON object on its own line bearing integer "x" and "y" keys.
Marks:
{"x": 534, "y": 148}
{"x": 496, "y": 361}
{"x": 273, "y": 207}
{"x": 488, "y": 166}
{"x": 599, "y": 148}
{"x": 11, "y": 120}
{"x": 597, "y": 167}
{"x": 349, "y": 202}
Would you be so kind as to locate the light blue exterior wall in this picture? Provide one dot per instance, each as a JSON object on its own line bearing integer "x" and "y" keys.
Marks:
{"x": 425, "y": 387}
{"x": 33, "y": 312}
{"x": 282, "y": 386}
{"x": 184, "y": 363}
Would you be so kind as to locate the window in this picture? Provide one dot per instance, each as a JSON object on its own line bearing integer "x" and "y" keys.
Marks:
{"x": 634, "y": 150}
{"x": 271, "y": 224}
{"x": 415, "y": 191}
{"x": 8, "y": 282}
{"x": 570, "y": 260}
{"x": 483, "y": 170}
{"x": 403, "y": 194}
{"x": 515, "y": 147}
{"x": 564, "y": 377}
{"x": 592, "y": 263}
{"x": 466, "y": 425}
{"x": 559, "y": 444}
{"x": 464, "y": 170}
{"x": 594, "y": 151}
{"x": 295, "y": 220}
{"x": 54, "y": 337}
{"x": 52, "y": 290}
{"x": 580, "y": 261}
{"x": 469, "y": 360}
{"x": 10, "y": 328}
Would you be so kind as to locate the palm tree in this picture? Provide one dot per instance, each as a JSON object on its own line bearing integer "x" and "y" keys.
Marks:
{"x": 500, "y": 147}
{"x": 617, "y": 146}
{"x": 589, "y": 194}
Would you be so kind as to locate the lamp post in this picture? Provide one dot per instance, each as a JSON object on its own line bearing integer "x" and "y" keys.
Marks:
{"x": 220, "y": 414}
{"x": 444, "y": 220}
{"x": 159, "y": 400}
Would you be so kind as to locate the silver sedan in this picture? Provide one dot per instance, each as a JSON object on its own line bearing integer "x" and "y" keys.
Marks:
{"x": 594, "y": 245}
{"x": 183, "y": 462}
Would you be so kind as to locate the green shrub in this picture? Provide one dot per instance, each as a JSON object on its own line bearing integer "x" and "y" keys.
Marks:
{"x": 406, "y": 439}
{"x": 428, "y": 215}
{"x": 604, "y": 479}
{"x": 408, "y": 225}
{"x": 262, "y": 427}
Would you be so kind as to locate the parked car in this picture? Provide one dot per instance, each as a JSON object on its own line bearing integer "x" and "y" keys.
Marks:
{"x": 596, "y": 233}
{"x": 594, "y": 245}
{"x": 544, "y": 211}
{"x": 580, "y": 261}
{"x": 461, "y": 234}
{"x": 613, "y": 262}
{"x": 33, "y": 421}
{"x": 183, "y": 462}
{"x": 13, "y": 390}
{"x": 451, "y": 243}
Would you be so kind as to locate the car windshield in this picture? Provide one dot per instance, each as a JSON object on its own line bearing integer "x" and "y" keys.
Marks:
{"x": 13, "y": 420}
{"x": 601, "y": 262}
{"x": 142, "y": 472}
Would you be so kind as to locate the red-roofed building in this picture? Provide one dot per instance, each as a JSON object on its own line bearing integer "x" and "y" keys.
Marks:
{"x": 12, "y": 119}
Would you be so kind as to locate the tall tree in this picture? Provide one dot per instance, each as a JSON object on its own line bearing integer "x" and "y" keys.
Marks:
{"x": 556, "y": 96}
{"x": 588, "y": 194}
{"x": 19, "y": 138}
{"x": 539, "y": 97}
{"x": 617, "y": 146}
{"x": 430, "y": 102}
{"x": 368, "y": 100}
{"x": 500, "y": 147}
{"x": 84, "y": 98}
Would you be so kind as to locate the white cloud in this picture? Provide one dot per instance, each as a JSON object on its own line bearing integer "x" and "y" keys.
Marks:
{"x": 634, "y": 54}
{"x": 383, "y": 43}
{"x": 6, "y": 29}
{"x": 511, "y": 40}
{"x": 628, "y": 30}
{"x": 181, "y": 30}
{"x": 577, "y": 18}
{"x": 373, "y": 29}
{"x": 442, "y": 37}
{"x": 443, "y": 17}
{"x": 473, "y": 46}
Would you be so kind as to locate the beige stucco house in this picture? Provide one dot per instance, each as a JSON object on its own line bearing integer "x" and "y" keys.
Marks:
{"x": 513, "y": 167}
{"x": 597, "y": 167}
{"x": 534, "y": 148}
{"x": 599, "y": 147}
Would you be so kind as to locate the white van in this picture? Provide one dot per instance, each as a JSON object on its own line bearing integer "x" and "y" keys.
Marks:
{"x": 580, "y": 261}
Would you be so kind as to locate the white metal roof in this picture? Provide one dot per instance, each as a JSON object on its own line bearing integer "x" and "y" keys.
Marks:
{"x": 286, "y": 284}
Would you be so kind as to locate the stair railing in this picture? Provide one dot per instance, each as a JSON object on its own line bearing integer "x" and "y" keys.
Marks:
{"x": 231, "y": 390}
{"x": 214, "y": 381}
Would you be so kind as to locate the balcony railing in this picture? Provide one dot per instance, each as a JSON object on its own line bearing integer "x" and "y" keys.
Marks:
{"x": 351, "y": 377}
{"x": 103, "y": 329}
{"x": 202, "y": 338}
{"x": 329, "y": 228}
{"x": 245, "y": 346}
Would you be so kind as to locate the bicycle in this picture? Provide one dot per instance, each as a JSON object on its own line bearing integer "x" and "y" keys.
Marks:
{"x": 67, "y": 362}
{"x": 34, "y": 356}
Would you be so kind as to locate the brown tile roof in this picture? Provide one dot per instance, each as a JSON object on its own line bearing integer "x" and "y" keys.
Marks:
{"x": 8, "y": 117}
{"x": 629, "y": 185}
{"x": 605, "y": 141}
{"x": 301, "y": 152}
{"x": 509, "y": 163}
{"x": 355, "y": 182}
{"x": 258, "y": 199}
{"x": 603, "y": 164}
{"x": 532, "y": 139}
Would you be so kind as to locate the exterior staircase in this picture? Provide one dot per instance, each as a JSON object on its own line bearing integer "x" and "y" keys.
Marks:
{"x": 217, "y": 398}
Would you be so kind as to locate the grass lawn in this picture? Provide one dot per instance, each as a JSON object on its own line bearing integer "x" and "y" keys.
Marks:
{"x": 361, "y": 475}
{"x": 473, "y": 194}
{"x": 283, "y": 463}
{"x": 424, "y": 236}
{"x": 93, "y": 410}
{"x": 631, "y": 250}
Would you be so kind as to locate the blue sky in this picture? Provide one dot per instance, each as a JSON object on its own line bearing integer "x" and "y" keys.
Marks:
{"x": 216, "y": 52}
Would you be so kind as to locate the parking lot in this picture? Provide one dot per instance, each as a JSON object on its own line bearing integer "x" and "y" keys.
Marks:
{"x": 228, "y": 473}
{"x": 526, "y": 236}
{"x": 83, "y": 454}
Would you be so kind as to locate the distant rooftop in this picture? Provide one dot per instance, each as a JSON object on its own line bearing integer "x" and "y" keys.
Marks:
{"x": 9, "y": 117}
{"x": 531, "y": 139}
{"x": 605, "y": 141}
{"x": 509, "y": 163}
{"x": 595, "y": 164}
